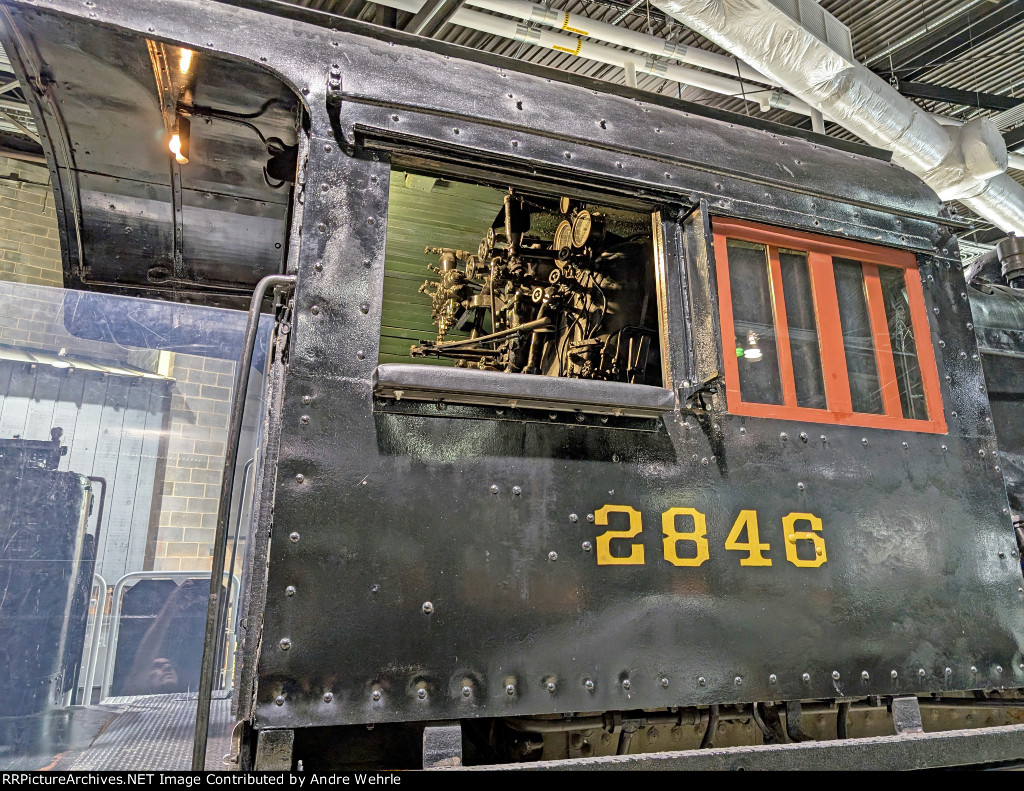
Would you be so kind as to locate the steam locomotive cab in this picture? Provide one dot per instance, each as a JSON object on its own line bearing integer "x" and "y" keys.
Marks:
{"x": 597, "y": 424}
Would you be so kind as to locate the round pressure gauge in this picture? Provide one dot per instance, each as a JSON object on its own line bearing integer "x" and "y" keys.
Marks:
{"x": 581, "y": 229}
{"x": 563, "y": 235}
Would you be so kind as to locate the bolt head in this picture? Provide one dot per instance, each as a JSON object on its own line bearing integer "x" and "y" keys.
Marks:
{"x": 974, "y": 669}
{"x": 664, "y": 681}
{"x": 702, "y": 681}
{"x": 999, "y": 668}
{"x": 299, "y": 477}
{"x": 552, "y": 556}
{"x": 773, "y": 679}
{"x": 948, "y": 671}
{"x": 307, "y": 400}
{"x": 806, "y": 677}
{"x": 738, "y": 681}
{"x": 865, "y": 675}
{"x": 893, "y": 674}
{"x": 590, "y": 517}
{"x": 550, "y": 686}
{"x": 494, "y": 488}
{"x": 588, "y": 685}
{"x": 800, "y": 485}
{"x": 587, "y": 546}
{"x": 783, "y": 436}
{"x": 289, "y": 591}
{"x": 573, "y": 518}
{"x": 279, "y": 700}
{"x": 285, "y": 644}
{"x": 328, "y": 697}
{"x": 421, "y": 693}
{"x": 626, "y": 684}
{"x": 517, "y": 490}
{"x": 293, "y": 537}
{"x": 467, "y": 691}
{"x": 315, "y": 310}
{"x": 304, "y": 420}
{"x": 376, "y": 694}
{"x": 428, "y": 607}
{"x": 510, "y": 689}
{"x": 835, "y": 675}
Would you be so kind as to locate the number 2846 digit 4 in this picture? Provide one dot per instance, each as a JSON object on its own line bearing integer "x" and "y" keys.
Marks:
{"x": 688, "y": 526}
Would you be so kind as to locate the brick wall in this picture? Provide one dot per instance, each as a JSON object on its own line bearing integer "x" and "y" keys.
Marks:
{"x": 29, "y": 246}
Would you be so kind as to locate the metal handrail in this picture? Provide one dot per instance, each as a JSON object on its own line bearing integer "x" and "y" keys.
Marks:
{"x": 89, "y": 671}
{"x": 115, "y": 612}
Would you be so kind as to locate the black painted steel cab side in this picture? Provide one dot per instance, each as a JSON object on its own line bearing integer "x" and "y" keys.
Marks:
{"x": 514, "y": 560}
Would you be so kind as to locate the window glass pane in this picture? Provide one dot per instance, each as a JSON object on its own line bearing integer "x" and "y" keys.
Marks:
{"x": 755, "y": 344}
{"x": 803, "y": 329}
{"x": 901, "y": 337}
{"x": 857, "y": 341}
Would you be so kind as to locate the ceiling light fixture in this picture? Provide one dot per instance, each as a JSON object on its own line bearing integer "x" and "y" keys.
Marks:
{"x": 752, "y": 352}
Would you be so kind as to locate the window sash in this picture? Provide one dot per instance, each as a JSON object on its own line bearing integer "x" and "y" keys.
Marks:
{"x": 821, "y": 251}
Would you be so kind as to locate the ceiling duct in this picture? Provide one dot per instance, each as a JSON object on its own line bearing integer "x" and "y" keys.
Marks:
{"x": 825, "y": 27}
{"x": 958, "y": 163}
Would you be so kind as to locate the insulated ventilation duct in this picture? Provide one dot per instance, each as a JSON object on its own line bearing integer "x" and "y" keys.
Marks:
{"x": 963, "y": 163}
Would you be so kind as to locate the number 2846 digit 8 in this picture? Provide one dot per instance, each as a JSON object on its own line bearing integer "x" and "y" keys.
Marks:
{"x": 682, "y": 526}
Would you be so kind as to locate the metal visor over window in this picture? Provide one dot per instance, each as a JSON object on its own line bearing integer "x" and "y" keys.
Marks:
{"x": 825, "y": 330}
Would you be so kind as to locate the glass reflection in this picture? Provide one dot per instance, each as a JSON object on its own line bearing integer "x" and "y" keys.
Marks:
{"x": 756, "y": 347}
{"x": 901, "y": 338}
{"x": 861, "y": 366}
{"x": 803, "y": 329}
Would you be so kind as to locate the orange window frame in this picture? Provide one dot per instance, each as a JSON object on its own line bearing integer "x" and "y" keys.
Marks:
{"x": 821, "y": 250}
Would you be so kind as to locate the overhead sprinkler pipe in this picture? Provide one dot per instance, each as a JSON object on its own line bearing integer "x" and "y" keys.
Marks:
{"x": 765, "y": 98}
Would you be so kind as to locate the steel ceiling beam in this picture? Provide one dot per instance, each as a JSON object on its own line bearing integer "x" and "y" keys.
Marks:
{"x": 433, "y": 16}
{"x": 1014, "y": 138}
{"x": 949, "y": 41}
{"x": 940, "y": 93}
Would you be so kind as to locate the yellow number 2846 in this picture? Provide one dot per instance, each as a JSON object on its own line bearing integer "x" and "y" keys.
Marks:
{"x": 689, "y": 547}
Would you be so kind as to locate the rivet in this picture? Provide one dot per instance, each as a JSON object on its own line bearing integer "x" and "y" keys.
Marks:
{"x": 467, "y": 691}
{"x": 293, "y": 537}
{"x": 1002, "y": 554}
{"x": 822, "y": 437}
{"x": 625, "y": 683}
{"x": 285, "y": 644}
{"x": 738, "y": 681}
{"x": 321, "y": 227}
{"x": 428, "y": 607}
{"x": 551, "y": 686}
{"x": 376, "y": 694}
{"x": 948, "y": 671}
{"x": 893, "y": 674}
{"x": 970, "y": 326}
{"x": 299, "y": 477}
{"x": 573, "y": 518}
{"x": 517, "y": 490}
{"x": 835, "y": 675}
{"x": 315, "y": 310}
{"x": 365, "y": 307}
{"x": 494, "y": 488}
{"x": 587, "y": 546}
{"x": 743, "y": 431}
{"x": 806, "y": 677}
{"x": 664, "y": 681}
{"x": 905, "y": 445}
{"x": 865, "y": 675}
{"x": 304, "y": 419}
{"x": 921, "y": 672}
{"x": 704, "y": 461}
{"x": 421, "y": 693}
{"x": 974, "y": 669}
{"x": 289, "y": 591}
{"x": 510, "y": 689}
{"x": 319, "y": 266}
{"x": 863, "y": 440}
{"x": 615, "y": 457}
{"x": 588, "y": 685}
{"x": 552, "y": 416}
{"x": 279, "y": 700}
{"x": 1006, "y": 510}
{"x": 552, "y": 556}
{"x": 590, "y": 517}
{"x": 999, "y": 668}
{"x": 981, "y": 452}
{"x": 803, "y": 436}
{"x": 328, "y": 697}
{"x": 360, "y": 355}
{"x": 580, "y": 417}
{"x": 773, "y": 679}
{"x": 783, "y": 436}
{"x": 800, "y": 486}
{"x": 307, "y": 400}
{"x": 944, "y": 447}
{"x": 702, "y": 681}
{"x": 366, "y": 263}
{"x": 375, "y": 588}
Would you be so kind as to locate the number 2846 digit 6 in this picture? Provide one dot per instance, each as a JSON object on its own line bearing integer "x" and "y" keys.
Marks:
{"x": 682, "y": 526}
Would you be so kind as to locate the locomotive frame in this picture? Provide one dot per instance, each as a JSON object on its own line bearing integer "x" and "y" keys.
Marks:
{"x": 489, "y": 586}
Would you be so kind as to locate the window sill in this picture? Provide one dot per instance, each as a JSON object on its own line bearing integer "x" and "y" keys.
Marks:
{"x": 492, "y": 388}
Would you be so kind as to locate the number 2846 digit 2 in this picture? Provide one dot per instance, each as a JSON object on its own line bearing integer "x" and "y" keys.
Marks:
{"x": 688, "y": 526}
